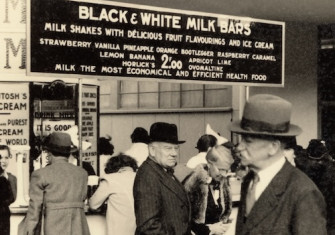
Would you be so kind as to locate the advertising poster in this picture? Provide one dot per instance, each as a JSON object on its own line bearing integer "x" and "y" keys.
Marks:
{"x": 14, "y": 126}
{"x": 110, "y": 39}
{"x": 14, "y": 111}
{"x": 90, "y": 124}
{"x": 53, "y": 115}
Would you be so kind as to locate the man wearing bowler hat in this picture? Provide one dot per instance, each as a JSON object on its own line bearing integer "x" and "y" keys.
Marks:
{"x": 276, "y": 198}
{"x": 161, "y": 203}
{"x": 61, "y": 189}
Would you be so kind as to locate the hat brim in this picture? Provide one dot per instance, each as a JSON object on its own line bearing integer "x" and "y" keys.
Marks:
{"x": 294, "y": 130}
{"x": 58, "y": 150}
{"x": 74, "y": 149}
{"x": 169, "y": 141}
{"x": 175, "y": 142}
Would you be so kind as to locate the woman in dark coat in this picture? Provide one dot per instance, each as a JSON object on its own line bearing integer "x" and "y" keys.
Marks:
{"x": 6, "y": 198}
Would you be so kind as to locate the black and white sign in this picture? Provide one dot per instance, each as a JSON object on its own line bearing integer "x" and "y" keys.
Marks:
{"x": 135, "y": 41}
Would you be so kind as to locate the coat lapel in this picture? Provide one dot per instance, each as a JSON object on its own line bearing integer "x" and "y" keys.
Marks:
{"x": 172, "y": 183}
{"x": 269, "y": 198}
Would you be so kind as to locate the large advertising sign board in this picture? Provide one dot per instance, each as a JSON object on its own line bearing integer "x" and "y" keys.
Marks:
{"x": 111, "y": 39}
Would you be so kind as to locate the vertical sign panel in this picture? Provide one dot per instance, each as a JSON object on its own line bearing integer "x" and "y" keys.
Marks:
{"x": 90, "y": 123}
{"x": 14, "y": 111}
{"x": 14, "y": 119}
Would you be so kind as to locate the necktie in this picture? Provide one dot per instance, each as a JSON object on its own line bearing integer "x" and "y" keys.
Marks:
{"x": 170, "y": 171}
{"x": 251, "y": 198}
{"x": 216, "y": 184}
{"x": 215, "y": 190}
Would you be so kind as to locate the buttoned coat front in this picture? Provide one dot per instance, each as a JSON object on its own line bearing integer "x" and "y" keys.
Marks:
{"x": 291, "y": 204}
{"x": 62, "y": 187}
{"x": 161, "y": 203}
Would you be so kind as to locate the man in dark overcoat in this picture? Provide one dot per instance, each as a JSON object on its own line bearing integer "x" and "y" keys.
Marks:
{"x": 161, "y": 203}
{"x": 276, "y": 197}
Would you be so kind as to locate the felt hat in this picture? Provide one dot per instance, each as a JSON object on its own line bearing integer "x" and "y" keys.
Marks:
{"x": 266, "y": 114}
{"x": 316, "y": 149}
{"x": 59, "y": 142}
{"x": 164, "y": 132}
{"x": 220, "y": 156}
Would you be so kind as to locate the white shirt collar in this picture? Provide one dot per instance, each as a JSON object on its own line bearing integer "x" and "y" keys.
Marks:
{"x": 266, "y": 175}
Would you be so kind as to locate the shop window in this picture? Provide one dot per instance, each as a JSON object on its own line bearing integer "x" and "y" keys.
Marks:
{"x": 54, "y": 107}
{"x": 137, "y": 95}
{"x": 162, "y": 95}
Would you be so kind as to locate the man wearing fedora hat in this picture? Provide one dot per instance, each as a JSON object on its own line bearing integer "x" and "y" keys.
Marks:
{"x": 276, "y": 197}
{"x": 60, "y": 188}
{"x": 161, "y": 203}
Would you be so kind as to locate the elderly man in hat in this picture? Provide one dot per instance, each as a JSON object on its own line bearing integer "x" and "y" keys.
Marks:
{"x": 209, "y": 192}
{"x": 276, "y": 197}
{"x": 161, "y": 203}
{"x": 61, "y": 189}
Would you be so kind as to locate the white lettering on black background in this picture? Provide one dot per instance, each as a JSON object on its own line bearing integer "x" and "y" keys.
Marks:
{"x": 147, "y": 42}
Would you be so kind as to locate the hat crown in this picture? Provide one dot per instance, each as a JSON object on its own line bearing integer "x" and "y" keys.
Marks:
{"x": 164, "y": 132}
{"x": 266, "y": 114}
{"x": 59, "y": 142}
{"x": 316, "y": 148}
{"x": 268, "y": 109}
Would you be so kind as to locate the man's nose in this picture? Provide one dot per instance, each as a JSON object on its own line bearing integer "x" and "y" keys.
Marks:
{"x": 174, "y": 152}
{"x": 239, "y": 147}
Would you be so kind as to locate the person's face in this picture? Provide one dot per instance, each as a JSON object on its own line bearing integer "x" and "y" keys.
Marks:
{"x": 4, "y": 158}
{"x": 165, "y": 154}
{"x": 217, "y": 172}
{"x": 253, "y": 151}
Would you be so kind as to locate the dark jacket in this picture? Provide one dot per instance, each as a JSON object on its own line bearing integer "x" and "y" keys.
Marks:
{"x": 161, "y": 203}
{"x": 322, "y": 173}
{"x": 291, "y": 204}
{"x": 13, "y": 183}
{"x": 6, "y": 198}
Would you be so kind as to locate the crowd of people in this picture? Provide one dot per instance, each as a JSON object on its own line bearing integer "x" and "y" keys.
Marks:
{"x": 285, "y": 189}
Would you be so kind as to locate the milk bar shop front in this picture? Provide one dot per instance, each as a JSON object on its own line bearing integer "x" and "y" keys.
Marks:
{"x": 101, "y": 68}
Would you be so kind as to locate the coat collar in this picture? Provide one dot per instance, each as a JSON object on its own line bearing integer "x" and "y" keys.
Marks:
{"x": 60, "y": 160}
{"x": 270, "y": 198}
{"x": 172, "y": 183}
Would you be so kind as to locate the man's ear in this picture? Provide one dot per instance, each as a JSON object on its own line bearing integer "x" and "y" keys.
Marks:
{"x": 152, "y": 150}
{"x": 275, "y": 145}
